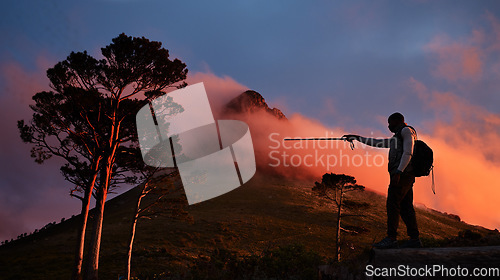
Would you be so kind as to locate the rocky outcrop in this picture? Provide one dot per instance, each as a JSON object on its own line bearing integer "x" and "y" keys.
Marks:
{"x": 251, "y": 101}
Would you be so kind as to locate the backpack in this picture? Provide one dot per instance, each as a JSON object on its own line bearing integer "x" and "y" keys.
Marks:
{"x": 422, "y": 159}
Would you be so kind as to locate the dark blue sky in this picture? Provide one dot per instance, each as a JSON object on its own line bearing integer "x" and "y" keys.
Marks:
{"x": 346, "y": 63}
{"x": 292, "y": 50}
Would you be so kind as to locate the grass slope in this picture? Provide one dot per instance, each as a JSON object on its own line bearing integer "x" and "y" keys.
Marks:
{"x": 264, "y": 213}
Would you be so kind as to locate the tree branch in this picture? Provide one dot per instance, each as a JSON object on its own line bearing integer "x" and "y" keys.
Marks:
{"x": 75, "y": 195}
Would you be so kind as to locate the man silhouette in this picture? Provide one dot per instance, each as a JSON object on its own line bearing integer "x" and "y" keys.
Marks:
{"x": 400, "y": 192}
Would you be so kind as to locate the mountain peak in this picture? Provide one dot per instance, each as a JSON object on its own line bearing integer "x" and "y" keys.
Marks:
{"x": 251, "y": 101}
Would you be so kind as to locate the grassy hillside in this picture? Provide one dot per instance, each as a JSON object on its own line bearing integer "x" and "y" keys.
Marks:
{"x": 264, "y": 214}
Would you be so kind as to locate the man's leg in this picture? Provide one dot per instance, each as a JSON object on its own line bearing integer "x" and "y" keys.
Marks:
{"x": 395, "y": 196}
{"x": 408, "y": 215}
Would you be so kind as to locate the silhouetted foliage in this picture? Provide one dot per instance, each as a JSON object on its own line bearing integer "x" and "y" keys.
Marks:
{"x": 332, "y": 184}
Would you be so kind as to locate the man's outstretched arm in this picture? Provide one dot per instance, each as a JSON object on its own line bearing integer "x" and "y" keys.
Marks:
{"x": 374, "y": 142}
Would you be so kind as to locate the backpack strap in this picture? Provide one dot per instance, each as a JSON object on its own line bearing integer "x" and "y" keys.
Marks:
{"x": 412, "y": 128}
{"x": 398, "y": 134}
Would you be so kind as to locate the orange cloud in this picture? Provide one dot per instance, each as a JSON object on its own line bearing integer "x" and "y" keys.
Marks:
{"x": 467, "y": 158}
{"x": 469, "y": 58}
{"x": 456, "y": 60}
{"x": 220, "y": 90}
{"x": 494, "y": 39}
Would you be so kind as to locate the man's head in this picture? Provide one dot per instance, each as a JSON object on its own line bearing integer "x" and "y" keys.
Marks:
{"x": 395, "y": 121}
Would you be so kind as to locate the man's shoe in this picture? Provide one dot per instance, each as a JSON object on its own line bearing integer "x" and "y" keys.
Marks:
{"x": 386, "y": 243}
{"x": 412, "y": 243}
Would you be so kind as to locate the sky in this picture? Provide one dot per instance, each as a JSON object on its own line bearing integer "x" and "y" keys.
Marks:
{"x": 340, "y": 66}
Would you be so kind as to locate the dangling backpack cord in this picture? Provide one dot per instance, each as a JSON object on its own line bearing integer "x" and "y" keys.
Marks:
{"x": 433, "y": 186}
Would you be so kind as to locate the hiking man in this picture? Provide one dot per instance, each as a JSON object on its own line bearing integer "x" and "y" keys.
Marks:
{"x": 400, "y": 192}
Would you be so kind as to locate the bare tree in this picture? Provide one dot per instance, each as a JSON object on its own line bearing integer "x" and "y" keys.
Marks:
{"x": 333, "y": 187}
{"x": 163, "y": 198}
{"x": 157, "y": 185}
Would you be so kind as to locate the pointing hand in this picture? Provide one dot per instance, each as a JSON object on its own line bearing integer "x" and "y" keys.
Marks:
{"x": 351, "y": 137}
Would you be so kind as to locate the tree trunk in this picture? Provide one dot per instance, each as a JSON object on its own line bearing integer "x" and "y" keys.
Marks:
{"x": 95, "y": 243}
{"x": 132, "y": 229}
{"x": 337, "y": 235}
{"x": 107, "y": 170}
{"x": 130, "y": 245}
{"x": 77, "y": 269}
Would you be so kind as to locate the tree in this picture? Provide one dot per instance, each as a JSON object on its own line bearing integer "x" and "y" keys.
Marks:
{"x": 163, "y": 197}
{"x": 90, "y": 138}
{"x": 333, "y": 187}
{"x": 146, "y": 187}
